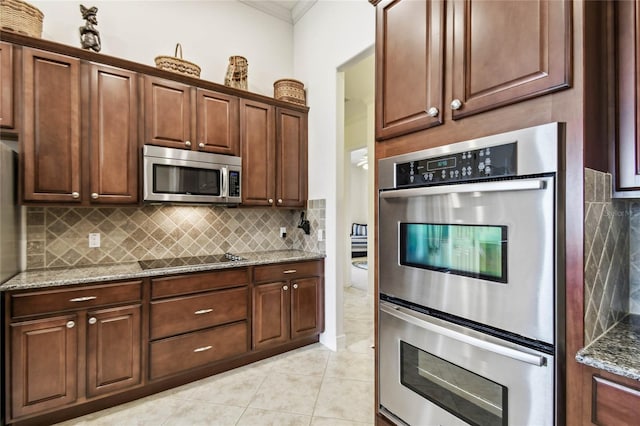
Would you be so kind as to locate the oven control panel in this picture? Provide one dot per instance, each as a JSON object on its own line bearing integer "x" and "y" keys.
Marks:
{"x": 483, "y": 163}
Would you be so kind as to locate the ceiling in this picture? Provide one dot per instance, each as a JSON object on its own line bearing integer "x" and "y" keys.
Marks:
{"x": 287, "y": 10}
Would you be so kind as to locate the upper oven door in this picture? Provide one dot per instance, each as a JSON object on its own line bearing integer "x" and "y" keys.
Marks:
{"x": 482, "y": 251}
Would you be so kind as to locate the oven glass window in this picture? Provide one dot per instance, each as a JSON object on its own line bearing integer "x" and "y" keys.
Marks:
{"x": 473, "y": 398}
{"x": 477, "y": 251}
{"x": 185, "y": 180}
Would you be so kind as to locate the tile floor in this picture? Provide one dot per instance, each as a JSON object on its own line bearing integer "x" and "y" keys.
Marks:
{"x": 311, "y": 386}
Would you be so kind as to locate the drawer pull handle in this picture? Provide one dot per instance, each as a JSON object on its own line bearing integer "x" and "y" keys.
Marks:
{"x": 290, "y": 271}
{"x": 202, "y": 349}
{"x": 203, "y": 311}
{"x": 83, "y": 299}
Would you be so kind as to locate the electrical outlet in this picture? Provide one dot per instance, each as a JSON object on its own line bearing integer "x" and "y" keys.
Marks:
{"x": 283, "y": 232}
{"x": 94, "y": 240}
{"x": 320, "y": 234}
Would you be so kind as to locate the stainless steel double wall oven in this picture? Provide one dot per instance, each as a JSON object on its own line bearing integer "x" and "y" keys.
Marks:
{"x": 471, "y": 282}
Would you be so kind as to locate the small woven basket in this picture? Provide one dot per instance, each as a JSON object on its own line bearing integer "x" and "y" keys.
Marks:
{"x": 289, "y": 90}
{"x": 177, "y": 64}
{"x": 21, "y": 17}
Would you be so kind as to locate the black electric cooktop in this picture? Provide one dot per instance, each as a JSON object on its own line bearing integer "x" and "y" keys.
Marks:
{"x": 188, "y": 261}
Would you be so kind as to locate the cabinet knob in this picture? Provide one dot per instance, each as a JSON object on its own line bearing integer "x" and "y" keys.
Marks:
{"x": 295, "y": 286}
{"x": 285, "y": 288}
{"x": 201, "y": 145}
{"x": 75, "y": 194}
{"x": 456, "y": 104}
{"x": 279, "y": 200}
{"x": 433, "y": 111}
{"x": 93, "y": 320}
{"x": 188, "y": 143}
{"x": 270, "y": 200}
{"x": 71, "y": 324}
{"x": 94, "y": 195}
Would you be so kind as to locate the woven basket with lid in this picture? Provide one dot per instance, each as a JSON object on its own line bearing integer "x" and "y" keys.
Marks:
{"x": 289, "y": 90}
{"x": 21, "y": 17}
{"x": 177, "y": 64}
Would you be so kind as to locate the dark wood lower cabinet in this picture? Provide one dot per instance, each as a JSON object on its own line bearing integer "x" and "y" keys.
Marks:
{"x": 44, "y": 368}
{"x": 73, "y": 350}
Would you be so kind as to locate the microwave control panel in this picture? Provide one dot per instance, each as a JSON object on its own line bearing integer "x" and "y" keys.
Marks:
{"x": 484, "y": 163}
{"x": 234, "y": 183}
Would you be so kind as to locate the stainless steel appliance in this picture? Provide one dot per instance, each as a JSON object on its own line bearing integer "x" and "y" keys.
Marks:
{"x": 470, "y": 288}
{"x": 182, "y": 176}
{"x": 10, "y": 215}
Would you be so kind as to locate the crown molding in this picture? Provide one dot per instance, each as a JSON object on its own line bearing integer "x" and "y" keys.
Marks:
{"x": 283, "y": 13}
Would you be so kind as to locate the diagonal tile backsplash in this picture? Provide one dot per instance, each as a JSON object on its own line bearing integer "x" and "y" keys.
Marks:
{"x": 59, "y": 236}
{"x": 606, "y": 251}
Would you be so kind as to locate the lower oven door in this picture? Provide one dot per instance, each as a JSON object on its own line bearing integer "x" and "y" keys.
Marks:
{"x": 433, "y": 372}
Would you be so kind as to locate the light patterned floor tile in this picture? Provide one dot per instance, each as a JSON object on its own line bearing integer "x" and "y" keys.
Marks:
{"x": 287, "y": 392}
{"x": 236, "y": 387}
{"x": 351, "y": 365}
{"x": 324, "y": 421}
{"x": 196, "y": 413}
{"x": 346, "y": 399}
{"x": 256, "y": 417}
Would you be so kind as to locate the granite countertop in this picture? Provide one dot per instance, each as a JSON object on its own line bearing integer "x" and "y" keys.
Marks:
{"x": 616, "y": 351}
{"x": 129, "y": 270}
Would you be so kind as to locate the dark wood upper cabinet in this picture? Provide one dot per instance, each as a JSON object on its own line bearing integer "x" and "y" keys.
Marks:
{"x": 291, "y": 160}
{"x": 113, "y": 136}
{"x": 181, "y": 116}
{"x": 258, "y": 145}
{"x": 50, "y": 138}
{"x": 217, "y": 122}
{"x": 627, "y": 146}
{"x": 167, "y": 115}
{"x": 409, "y": 66}
{"x": 498, "y": 53}
{"x": 506, "y": 52}
{"x": 7, "y": 114}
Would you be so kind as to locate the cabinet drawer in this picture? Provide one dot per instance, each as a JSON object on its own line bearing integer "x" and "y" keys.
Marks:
{"x": 196, "y": 349}
{"x": 287, "y": 271}
{"x": 179, "y": 315}
{"x": 185, "y": 284}
{"x": 614, "y": 403}
{"x": 41, "y": 302}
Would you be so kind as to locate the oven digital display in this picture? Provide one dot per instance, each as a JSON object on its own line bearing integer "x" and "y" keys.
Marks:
{"x": 478, "y": 251}
{"x": 441, "y": 163}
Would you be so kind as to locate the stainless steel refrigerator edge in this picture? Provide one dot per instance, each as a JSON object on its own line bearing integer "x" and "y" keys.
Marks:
{"x": 11, "y": 235}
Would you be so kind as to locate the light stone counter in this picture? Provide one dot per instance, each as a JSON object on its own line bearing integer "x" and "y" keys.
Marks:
{"x": 616, "y": 351}
{"x": 131, "y": 270}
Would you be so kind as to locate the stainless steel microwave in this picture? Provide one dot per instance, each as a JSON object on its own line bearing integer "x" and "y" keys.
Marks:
{"x": 182, "y": 176}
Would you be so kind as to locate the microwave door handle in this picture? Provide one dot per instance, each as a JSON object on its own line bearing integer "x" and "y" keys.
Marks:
{"x": 225, "y": 181}
{"x": 500, "y": 186}
{"x": 401, "y": 313}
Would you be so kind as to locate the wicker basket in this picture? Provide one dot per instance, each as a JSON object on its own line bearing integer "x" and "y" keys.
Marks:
{"x": 177, "y": 64}
{"x": 289, "y": 90}
{"x": 21, "y": 17}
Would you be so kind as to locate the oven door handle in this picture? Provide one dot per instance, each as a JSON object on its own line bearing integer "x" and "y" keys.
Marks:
{"x": 401, "y": 313}
{"x": 499, "y": 186}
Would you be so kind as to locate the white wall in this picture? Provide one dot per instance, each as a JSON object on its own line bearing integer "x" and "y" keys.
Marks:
{"x": 358, "y": 195}
{"x": 209, "y": 32}
{"x": 327, "y": 36}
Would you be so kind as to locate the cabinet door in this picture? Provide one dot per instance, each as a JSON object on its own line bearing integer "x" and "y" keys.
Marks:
{"x": 43, "y": 364}
{"x": 291, "y": 160}
{"x": 628, "y": 112}
{"x": 409, "y": 66}
{"x": 6, "y": 86}
{"x": 270, "y": 314}
{"x": 113, "y": 349}
{"x": 50, "y": 140}
{"x": 257, "y": 136}
{"x": 217, "y": 122}
{"x": 505, "y": 52}
{"x": 113, "y": 130}
{"x": 306, "y": 307}
{"x": 167, "y": 113}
